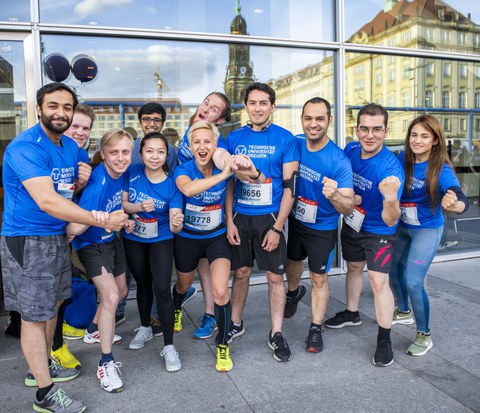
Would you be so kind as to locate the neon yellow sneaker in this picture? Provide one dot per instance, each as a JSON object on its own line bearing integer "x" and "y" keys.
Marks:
{"x": 65, "y": 358}
{"x": 224, "y": 362}
{"x": 177, "y": 324}
{"x": 72, "y": 333}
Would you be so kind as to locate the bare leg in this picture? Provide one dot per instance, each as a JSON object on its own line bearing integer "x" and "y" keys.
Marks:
{"x": 320, "y": 296}
{"x": 383, "y": 298}
{"x": 36, "y": 350}
{"x": 206, "y": 282}
{"x": 220, "y": 274}
{"x": 240, "y": 288}
{"x": 354, "y": 284}
{"x": 277, "y": 297}
{"x": 294, "y": 274}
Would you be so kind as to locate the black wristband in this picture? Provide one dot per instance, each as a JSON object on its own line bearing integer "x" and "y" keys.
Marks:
{"x": 277, "y": 231}
{"x": 258, "y": 176}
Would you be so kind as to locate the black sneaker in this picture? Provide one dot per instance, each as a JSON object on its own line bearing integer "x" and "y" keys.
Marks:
{"x": 157, "y": 328}
{"x": 343, "y": 319}
{"x": 292, "y": 302}
{"x": 119, "y": 319}
{"x": 281, "y": 351}
{"x": 235, "y": 331}
{"x": 314, "y": 340}
{"x": 383, "y": 354}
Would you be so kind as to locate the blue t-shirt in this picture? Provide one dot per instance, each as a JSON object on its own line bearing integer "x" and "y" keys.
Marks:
{"x": 184, "y": 152}
{"x": 204, "y": 213}
{"x": 102, "y": 193}
{"x": 32, "y": 154}
{"x": 311, "y": 207}
{"x": 172, "y": 159}
{"x": 367, "y": 175}
{"x": 83, "y": 156}
{"x": 415, "y": 204}
{"x": 269, "y": 150}
{"x": 151, "y": 226}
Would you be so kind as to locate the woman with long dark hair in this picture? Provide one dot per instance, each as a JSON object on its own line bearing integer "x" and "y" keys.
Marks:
{"x": 430, "y": 186}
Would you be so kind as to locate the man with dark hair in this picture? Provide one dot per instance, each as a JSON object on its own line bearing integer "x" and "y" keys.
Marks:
{"x": 40, "y": 177}
{"x": 262, "y": 203}
{"x": 368, "y": 234}
{"x": 325, "y": 190}
{"x": 80, "y": 129}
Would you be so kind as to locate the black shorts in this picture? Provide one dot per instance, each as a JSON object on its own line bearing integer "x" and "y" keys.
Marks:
{"x": 317, "y": 245}
{"x": 110, "y": 255}
{"x": 252, "y": 230}
{"x": 188, "y": 251}
{"x": 376, "y": 249}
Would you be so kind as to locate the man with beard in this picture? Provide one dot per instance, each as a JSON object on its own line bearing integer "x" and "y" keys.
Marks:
{"x": 40, "y": 176}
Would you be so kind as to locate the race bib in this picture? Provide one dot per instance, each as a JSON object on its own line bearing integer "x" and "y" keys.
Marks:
{"x": 145, "y": 227}
{"x": 355, "y": 219}
{"x": 255, "y": 194}
{"x": 409, "y": 213}
{"x": 65, "y": 190}
{"x": 305, "y": 210}
{"x": 203, "y": 218}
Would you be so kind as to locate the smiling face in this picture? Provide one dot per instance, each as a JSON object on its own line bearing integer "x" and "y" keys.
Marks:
{"x": 80, "y": 129}
{"x": 56, "y": 112}
{"x": 117, "y": 155}
{"x": 315, "y": 122}
{"x": 422, "y": 142}
{"x": 152, "y": 122}
{"x": 259, "y": 108}
{"x": 210, "y": 110}
{"x": 154, "y": 154}
{"x": 371, "y": 133}
{"x": 203, "y": 145}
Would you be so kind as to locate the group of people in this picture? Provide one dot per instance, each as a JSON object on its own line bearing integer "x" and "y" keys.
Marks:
{"x": 224, "y": 204}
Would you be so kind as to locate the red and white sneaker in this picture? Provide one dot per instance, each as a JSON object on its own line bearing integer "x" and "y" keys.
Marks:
{"x": 109, "y": 376}
{"x": 91, "y": 338}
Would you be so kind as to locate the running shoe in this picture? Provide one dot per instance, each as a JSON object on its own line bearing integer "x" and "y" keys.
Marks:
{"x": 422, "y": 343}
{"x": 191, "y": 294}
{"x": 383, "y": 354}
{"x": 400, "y": 317}
{"x": 58, "y": 374}
{"x": 72, "y": 333}
{"x": 314, "y": 340}
{"x": 281, "y": 351}
{"x": 235, "y": 331}
{"x": 177, "y": 324}
{"x": 343, "y": 319}
{"x": 57, "y": 400}
{"x": 119, "y": 319}
{"x": 224, "y": 362}
{"x": 91, "y": 338}
{"x": 143, "y": 335}
{"x": 109, "y": 376}
{"x": 172, "y": 361}
{"x": 157, "y": 328}
{"x": 292, "y": 302}
{"x": 65, "y": 358}
{"x": 207, "y": 327}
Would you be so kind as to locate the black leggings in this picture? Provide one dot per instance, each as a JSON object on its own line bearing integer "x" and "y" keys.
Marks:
{"x": 151, "y": 263}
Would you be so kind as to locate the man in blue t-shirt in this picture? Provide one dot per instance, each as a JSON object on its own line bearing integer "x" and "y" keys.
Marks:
{"x": 324, "y": 191}
{"x": 80, "y": 129}
{"x": 368, "y": 234}
{"x": 262, "y": 203}
{"x": 40, "y": 177}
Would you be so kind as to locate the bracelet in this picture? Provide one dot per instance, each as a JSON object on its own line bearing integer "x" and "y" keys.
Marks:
{"x": 277, "y": 231}
{"x": 258, "y": 176}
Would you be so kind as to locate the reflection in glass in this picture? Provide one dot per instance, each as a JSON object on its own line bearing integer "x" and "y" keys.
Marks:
{"x": 15, "y": 11}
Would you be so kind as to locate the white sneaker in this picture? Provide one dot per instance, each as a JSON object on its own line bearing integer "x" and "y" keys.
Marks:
{"x": 91, "y": 338}
{"x": 143, "y": 335}
{"x": 172, "y": 361}
{"x": 109, "y": 376}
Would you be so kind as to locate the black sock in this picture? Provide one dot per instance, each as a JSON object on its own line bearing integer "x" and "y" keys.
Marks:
{"x": 353, "y": 313}
{"x": 383, "y": 334}
{"x": 43, "y": 391}
{"x": 58, "y": 335}
{"x": 293, "y": 293}
{"x": 92, "y": 327}
{"x": 313, "y": 325}
{"x": 177, "y": 298}
{"x": 223, "y": 315}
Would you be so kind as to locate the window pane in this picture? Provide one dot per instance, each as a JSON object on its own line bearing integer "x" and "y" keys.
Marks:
{"x": 15, "y": 11}
{"x": 281, "y": 18}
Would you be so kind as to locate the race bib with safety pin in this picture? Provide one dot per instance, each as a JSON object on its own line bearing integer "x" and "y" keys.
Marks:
{"x": 203, "y": 218}
{"x": 409, "y": 213}
{"x": 145, "y": 227}
{"x": 255, "y": 194}
{"x": 305, "y": 210}
{"x": 65, "y": 190}
{"x": 355, "y": 219}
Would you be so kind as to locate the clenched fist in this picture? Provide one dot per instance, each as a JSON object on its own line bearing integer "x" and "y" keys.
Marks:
{"x": 389, "y": 187}
{"x": 329, "y": 187}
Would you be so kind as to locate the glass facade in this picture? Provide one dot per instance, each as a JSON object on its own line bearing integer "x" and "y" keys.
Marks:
{"x": 412, "y": 57}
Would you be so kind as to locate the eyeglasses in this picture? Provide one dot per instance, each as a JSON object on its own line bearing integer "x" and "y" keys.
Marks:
{"x": 156, "y": 121}
{"x": 376, "y": 131}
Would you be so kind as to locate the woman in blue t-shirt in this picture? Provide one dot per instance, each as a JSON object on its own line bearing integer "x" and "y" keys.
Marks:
{"x": 430, "y": 186}
{"x": 155, "y": 204}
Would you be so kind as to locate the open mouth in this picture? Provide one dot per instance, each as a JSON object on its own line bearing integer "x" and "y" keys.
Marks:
{"x": 203, "y": 155}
